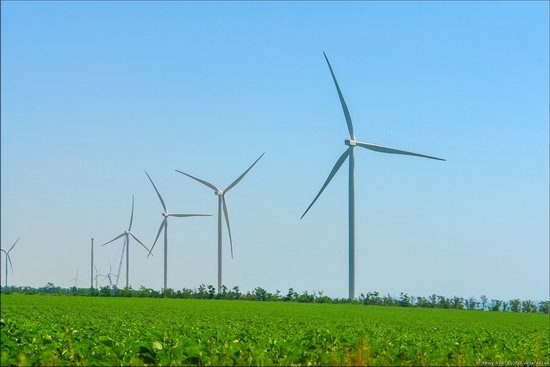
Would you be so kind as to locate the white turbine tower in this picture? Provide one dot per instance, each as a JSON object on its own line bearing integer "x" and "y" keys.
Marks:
{"x": 352, "y": 143}
{"x": 8, "y": 259}
{"x": 126, "y": 234}
{"x": 164, "y": 225}
{"x": 117, "y": 275}
{"x": 222, "y": 207}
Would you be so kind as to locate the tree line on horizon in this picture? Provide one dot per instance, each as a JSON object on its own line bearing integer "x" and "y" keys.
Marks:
{"x": 260, "y": 294}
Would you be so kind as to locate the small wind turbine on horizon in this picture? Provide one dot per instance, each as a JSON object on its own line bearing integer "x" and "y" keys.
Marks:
{"x": 109, "y": 274}
{"x": 8, "y": 259}
{"x": 164, "y": 225}
{"x": 222, "y": 207}
{"x": 96, "y": 278}
{"x": 349, "y": 152}
{"x": 76, "y": 279}
{"x": 126, "y": 234}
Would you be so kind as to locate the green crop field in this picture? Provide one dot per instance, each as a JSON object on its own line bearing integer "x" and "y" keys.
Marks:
{"x": 65, "y": 330}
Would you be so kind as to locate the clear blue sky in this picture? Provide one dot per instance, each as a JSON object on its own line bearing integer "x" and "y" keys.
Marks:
{"x": 95, "y": 93}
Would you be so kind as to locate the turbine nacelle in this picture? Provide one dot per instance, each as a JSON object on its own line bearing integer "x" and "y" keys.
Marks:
{"x": 219, "y": 192}
{"x": 164, "y": 214}
{"x": 350, "y": 142}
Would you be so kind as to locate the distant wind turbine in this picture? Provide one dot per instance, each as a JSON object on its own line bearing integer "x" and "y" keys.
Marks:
{"x": 222, "y": 207}
{"x": 109, "y": 276}
{"x": 96, "y": 278}
{"x": 164, "y": 225}
{"x": 349, "y": 152}
{"x": 8, "y": 259}
{"x": 76, "y": 279}
{"x": 92, "y": 266}
{"x": 126, "y": 234}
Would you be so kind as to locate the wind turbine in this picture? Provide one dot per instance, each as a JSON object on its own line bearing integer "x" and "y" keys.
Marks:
{"x": 349, "y": 152}
{"x": 8, "y": 259}
{"x": 76, "y": 279}
{"x": 164, "y": 225}
{"x": 92, "y": 267}
{"x": 222, "y": 207}
{"x": 109, "y": 274}
{"x": 97, "y": 275}
{"x": 126, "y": 234}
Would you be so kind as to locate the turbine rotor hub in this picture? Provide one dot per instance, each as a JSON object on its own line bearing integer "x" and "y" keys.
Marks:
{"x": 219, "y": 193}
{"x": 350, "y": 142}
{"x": 164, "y": 214}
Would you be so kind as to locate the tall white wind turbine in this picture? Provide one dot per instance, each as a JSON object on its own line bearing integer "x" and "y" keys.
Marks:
{"x": 8, "y": 259}
{"x": 126, "y": 234}
{"x": 349, "y": 152}
{"x": 222, "y": 207}
{"x": 164, "y": 225}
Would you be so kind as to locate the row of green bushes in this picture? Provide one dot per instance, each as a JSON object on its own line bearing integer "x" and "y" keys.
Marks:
{"x": 260, "y": 294}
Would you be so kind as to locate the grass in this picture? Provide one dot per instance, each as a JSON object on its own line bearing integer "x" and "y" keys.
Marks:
{"x": 65, "y": 330}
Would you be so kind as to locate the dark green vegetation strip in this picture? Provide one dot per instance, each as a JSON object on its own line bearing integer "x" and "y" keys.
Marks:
{"x": 63, "y": 330}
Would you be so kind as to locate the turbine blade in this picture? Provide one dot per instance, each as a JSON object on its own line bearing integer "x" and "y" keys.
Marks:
{"x": 158, "y": 234}
{"x": 342, "y": 101}
{"x": 141, "y": 243}
{"x": 132, "y": 215}
{"x": 244, "y": 173}
{"x": 379, "y": 148}
{"x": 158, "y": 193}
{"x": 199, "y": 180}
{"x": 189, "y": 215}
{"x": 12, "y": 246}
{"x": 226, "y": 214}
{"x": 335, "y": 169}
{"x": 9, "y": 260}
{"x": 114, "y": 239}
